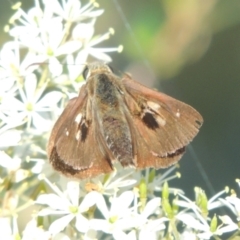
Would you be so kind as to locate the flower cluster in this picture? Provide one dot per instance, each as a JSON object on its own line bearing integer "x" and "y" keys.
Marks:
{"x": 39, "y": 70}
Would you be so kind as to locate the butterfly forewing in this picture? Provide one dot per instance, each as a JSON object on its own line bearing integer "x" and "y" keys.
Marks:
{"x": 164, "y": 124}
{"x": 73, "y": 148}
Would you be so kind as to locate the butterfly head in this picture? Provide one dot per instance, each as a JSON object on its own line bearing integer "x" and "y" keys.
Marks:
{"x": 96, "y": 68}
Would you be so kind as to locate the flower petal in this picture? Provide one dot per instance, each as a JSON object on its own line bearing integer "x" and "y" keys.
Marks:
{"x": 50, "y": 211}
{"x": 30, "y": 85}
{"x": 100, "y": 55}
{"x": 99, "y": 225}
{"x": 60, "y": 236}
{"x": 10, "y": 138}
{"x": 82, "y": 223}
{"x": 122, "y": 203}
{"x": 68, "y": 48}
{"x": 191, "y": 222}
{"x": 58, "y": 225}
{"x": 40, "y": 123}
{"x": 53, "y": 201}
{"x": 120, "y": 235}
{"x": 90, "y": 199}
{"x": 50, "y": 99}
{"x": 73, "y": 192}
{"x": 102, "y": 206}
{"x": 151, "y": 207}
{"x": 12, "y": 164}
{"x": 55, "y": 67}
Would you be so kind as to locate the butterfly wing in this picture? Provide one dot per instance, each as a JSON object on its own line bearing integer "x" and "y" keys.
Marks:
{"x": 73, "y": 148}
{"x": 161, "y": 125}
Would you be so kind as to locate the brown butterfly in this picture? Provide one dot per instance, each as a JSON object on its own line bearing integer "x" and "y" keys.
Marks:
{"x": 118, "y": 119}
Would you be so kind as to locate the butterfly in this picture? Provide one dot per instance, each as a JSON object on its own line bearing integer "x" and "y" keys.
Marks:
{"x": 116, "y": 119}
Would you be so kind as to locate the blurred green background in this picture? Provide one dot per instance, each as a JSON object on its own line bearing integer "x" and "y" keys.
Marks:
{"x": 189, "y": 49}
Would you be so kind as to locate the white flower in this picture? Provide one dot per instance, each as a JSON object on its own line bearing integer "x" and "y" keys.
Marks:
{"x": 204, "y": 227}
{"x": 12, "y": 67}
{"x": 215, "y": 201}
{"x": 9, "y": 137}
{"x": 9, "y": 228}
{"x": 88, "y": 47}
{"x": 7, "y": 89}
{"x": 198, "y": 219}
{"x": 146, "y": 228}
{"x": 11, "y": 164}
{"x": 38, "y": 168}
{"x": 91, "y": 235}
{"x": 32, "y": 105}
{"x": 150, "y": 227}
{"x": 62, "y": 236}
{"x": 67, "y": 204}
{"x": 72, "y": 11}
{"x": 227, "y": 226}
{"x": 9, "y": 118}
{"x": 33, "y": 231}
{"x": 7, "y": 92}
{"x": 43, "y": 34}
{"x": 118, "y": 218}
{"x": 233, "y": 202}
{"x": 117, "y": 180}
{"x": 119, "y": 235}
{"x": 6, "y": 232}
{"x": 49, "y": 45}
{"x": 150, "y": 222}
{"x": 27, "y": 25}
{"x": 84, "y": 32}
{"x": 41, "y": 166}
{"x": 188, "y": 234}
{"x": 188, "y": 204}
{"x": 154, "y": 182}
{"x": 193, "y": 222}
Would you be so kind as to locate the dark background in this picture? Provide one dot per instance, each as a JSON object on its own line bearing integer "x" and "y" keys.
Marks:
{"x": 190, "y": 51}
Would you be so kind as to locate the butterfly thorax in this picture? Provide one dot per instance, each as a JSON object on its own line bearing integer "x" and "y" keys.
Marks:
{"x": 112, "y": 122}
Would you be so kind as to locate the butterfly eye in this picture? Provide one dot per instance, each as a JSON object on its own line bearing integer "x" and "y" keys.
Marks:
{"x": 85, "y": 72}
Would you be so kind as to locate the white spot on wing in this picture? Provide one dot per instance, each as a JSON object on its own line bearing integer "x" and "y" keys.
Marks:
{"x": 161, "y": 121}
{"x": 178, "y": 114}
{"x": 78, "y": 135}
{"x": 67, "y": 133}
{"x": 78, "y": 118}
{"x": 154, "y": 154}
{"x": 154, "y": 106}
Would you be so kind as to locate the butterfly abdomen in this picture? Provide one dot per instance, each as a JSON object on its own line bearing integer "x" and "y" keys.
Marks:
{"x": 118, "y": 138}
